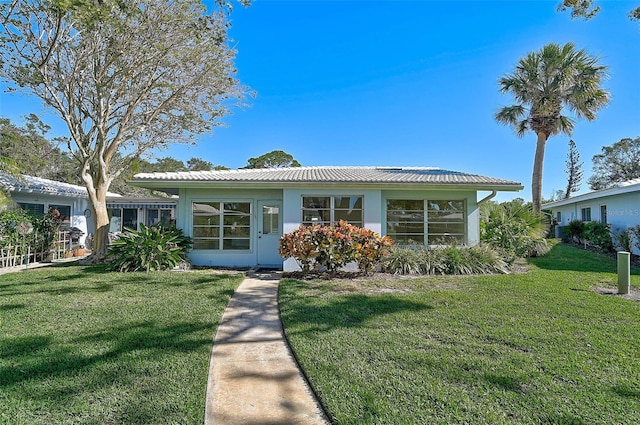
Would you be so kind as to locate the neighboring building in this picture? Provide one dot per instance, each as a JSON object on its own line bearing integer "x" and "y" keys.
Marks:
{"x": 236, "y": 217}
{"x": 37, "y": 195}
{"x": 617, "y": 206}
{"x": 129, "y": 212}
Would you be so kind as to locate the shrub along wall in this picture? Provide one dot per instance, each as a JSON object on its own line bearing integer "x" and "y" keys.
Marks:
{"x": 319, "y": 248}
{"x": 591, "y": 233}
{"x": 447, "y": 260}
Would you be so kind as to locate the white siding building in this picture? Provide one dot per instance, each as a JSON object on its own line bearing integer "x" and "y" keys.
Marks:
{"x": 618, "y": 206}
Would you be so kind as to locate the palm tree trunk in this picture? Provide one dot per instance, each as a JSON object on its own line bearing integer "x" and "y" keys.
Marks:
{"x": 536, "y": 179}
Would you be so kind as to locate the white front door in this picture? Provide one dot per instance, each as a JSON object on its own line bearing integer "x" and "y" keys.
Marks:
{"x": 269, "y": 233}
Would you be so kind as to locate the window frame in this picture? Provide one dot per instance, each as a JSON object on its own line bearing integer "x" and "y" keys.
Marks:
{"x": 428, "y": 237}
{"x": 585, "y": 214}
{"x": 406, "y": 236}
{"x": 458, "y": 237}
{"x": 331, "y": 209}
{"x": 66, "y": 220}
{"x": 222, "y": 227}
{"x": 603, "y": 214}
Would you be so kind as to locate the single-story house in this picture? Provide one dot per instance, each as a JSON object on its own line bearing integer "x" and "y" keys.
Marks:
{"x": 37, "y": 195}
{"x": 617, "y": 206}
{"x": 236, "y": 217}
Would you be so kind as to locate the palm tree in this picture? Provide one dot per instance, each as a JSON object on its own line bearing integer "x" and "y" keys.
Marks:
{"x": 545, "y": 85}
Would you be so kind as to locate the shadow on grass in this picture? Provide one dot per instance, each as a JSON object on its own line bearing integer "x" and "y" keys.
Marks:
{"x": 37, "y": 359}
{"x": 627, "y": 391}
{"x": 505, "y": 382}
{"x": 202, "y": 281}
{"x": 222, "y": 296}
{"x": 351, "y": 310}
{"x": 570, "y": 258}
{"x": 11, "y": 289}
{"x": 564, "y": 419}
{"x": 82, "y": 281}
{"x": 9, "y": 307}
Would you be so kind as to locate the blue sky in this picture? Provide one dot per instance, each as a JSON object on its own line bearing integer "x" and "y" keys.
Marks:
{"x": 406, "y": 83}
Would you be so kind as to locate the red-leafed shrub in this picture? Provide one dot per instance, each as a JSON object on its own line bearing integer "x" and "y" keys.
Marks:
{"x": 332, "y": 247}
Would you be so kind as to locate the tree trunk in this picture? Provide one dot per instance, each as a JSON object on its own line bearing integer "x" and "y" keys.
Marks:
{"x": 536, "y": 179}
{"x": 98, "y": 198}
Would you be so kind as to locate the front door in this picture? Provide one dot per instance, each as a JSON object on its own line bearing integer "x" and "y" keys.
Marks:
{"x": 269, "y": 232}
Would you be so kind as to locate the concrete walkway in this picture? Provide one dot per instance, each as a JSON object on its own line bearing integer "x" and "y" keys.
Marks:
{"x": 253, "y": 377}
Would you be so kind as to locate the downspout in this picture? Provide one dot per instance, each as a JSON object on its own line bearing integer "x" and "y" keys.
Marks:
{"x": 488, "y": 197}
{"x": 483, "y": 200}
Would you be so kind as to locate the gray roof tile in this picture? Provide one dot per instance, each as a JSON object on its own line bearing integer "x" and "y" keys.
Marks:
{"x": 347, "y": 175}
{"x": 39, "y": 185}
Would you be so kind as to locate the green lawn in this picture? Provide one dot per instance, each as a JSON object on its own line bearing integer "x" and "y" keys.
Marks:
{"x": 79, "y": 345}
{"x": 539, "y": 347}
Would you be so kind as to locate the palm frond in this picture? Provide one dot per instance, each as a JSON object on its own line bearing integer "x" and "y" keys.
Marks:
{"x": 547, "y": 83}
{"x": 510, "y": 115}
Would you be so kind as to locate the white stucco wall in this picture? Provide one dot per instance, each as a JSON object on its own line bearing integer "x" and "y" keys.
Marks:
{"x": 623, "y": 211}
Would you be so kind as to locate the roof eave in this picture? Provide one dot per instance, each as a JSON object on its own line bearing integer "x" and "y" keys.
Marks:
{"x": 175, "y": 185}
{"x": 598, "y": 194}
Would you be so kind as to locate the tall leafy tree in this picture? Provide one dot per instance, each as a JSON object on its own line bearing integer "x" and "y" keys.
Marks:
{"x": 125, "y": 76}
{"x": 587, "y": 9}
{"x": 616, "y": 164}
{"x": 546, "y": 86}
{"x": 199, "y": 164}
{"x": 573, "y": 170}
{"x": 35, "y": 154}
{"x": 273, "y": 159}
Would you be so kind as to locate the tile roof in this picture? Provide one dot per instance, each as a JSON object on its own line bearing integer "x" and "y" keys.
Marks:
{"x": 43, "y": 186}
{"x": 347, "y": 175}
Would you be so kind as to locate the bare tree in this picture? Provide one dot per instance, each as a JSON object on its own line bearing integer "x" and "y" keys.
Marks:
{"x": 125, "y": 76}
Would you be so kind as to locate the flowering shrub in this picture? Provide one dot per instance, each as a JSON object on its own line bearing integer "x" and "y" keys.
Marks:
{"x": 333, "y": 247}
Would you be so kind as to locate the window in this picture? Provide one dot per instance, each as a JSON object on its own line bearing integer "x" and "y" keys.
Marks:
{"x": 115, "y": 220}
{"x": 585, "y": 214}
{"x": 40, "y": 209}
{"x": 221, "y": 225}
{"x": 158, "y": 216}
{"x": 270, "y": 220}
{"x": 559, "y": 217}
{"x": 130, "y": 218}
{"x": 326, "y": 210}
{"x": 65, "y": 213}
{"x": 405, "y": 221}
{"x": 603, "y": 214}
{"x": 119, "y": 218}
{"x": 443, "y": 223}
{"x": 35, "y": 209}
